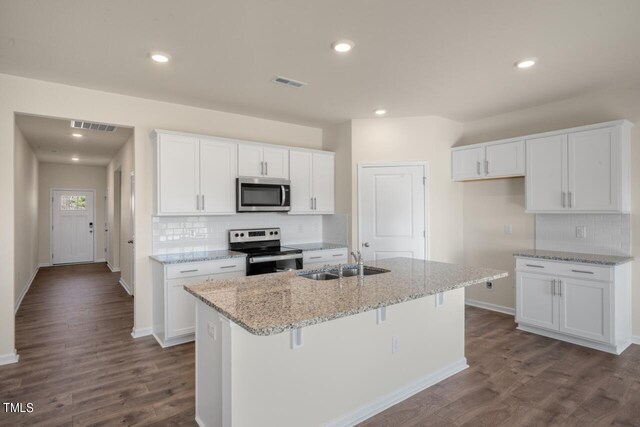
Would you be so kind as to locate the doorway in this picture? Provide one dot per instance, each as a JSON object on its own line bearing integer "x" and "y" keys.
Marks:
{"x": 392, "y": 210}
{"x": 72, "y": 226}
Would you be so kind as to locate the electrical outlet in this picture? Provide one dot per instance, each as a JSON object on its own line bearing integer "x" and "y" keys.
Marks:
{"x": 211, "y": 330}
{"x": 395, "y": 344}
{"x": 508, "y": 229}
{"x": 581, "y": 231}
{"x": 489, "y": 285}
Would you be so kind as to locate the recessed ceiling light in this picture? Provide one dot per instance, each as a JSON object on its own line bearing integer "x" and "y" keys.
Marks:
{"x": 342, "y": 46}
{"x": 526, "y": 63}
{"x": 76, "y": 135}
{"x": 160, "y": 57}
{"x": 75, "y": 159}
{"x": 379, "y": 111}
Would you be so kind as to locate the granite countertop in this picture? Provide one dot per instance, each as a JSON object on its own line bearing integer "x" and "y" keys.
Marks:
{"x": 318, "y": 246}
{"x": 196, "y": 256}
{"x": 574, "y": 257}
{"x": 272, "y": 303}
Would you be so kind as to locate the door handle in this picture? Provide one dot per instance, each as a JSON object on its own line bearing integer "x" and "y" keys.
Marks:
{"x": 130, "y": 242}
{"x": 366, "y": 244}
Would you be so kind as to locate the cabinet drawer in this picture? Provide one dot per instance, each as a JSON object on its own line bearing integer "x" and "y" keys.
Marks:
{"x": 582, "y": 271}
{"x": 190, "y": 269}
{"x": 326, "y": 257}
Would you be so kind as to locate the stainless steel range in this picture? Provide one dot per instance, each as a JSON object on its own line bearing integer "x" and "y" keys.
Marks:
{"x": 264, "y": 252}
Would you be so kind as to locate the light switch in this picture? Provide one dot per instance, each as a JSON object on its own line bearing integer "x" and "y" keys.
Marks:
{"x": 581, "y": 231}
{"x": 508, "y": 229}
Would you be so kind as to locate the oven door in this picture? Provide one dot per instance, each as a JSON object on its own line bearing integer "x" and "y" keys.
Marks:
{"x": 273, "y": 264}
{"x": 263, "y": 195}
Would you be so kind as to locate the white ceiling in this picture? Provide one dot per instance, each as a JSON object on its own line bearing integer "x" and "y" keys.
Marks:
{"x": 452, "y": 58}
{"x": 51, "y": 141}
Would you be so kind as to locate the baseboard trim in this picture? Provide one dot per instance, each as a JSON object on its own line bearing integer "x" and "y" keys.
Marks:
{"x": 397, "y": 396}
{"x": 199, "y": 422}
{"x": 24, "y": 291}
{"x": 6, "y": 359}
{"x": 44, "y": 264}
{"x": 635, "y": 339}
{"x": 113, "y": 269}
{"x": 141, "y": 332}
{"x": 125, "y": 286}
{"x": 489, "y": 306}
{"x": 100, "y": 260}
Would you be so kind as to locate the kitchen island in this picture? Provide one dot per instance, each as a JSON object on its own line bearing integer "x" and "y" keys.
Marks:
{"x": 285, "y": 350}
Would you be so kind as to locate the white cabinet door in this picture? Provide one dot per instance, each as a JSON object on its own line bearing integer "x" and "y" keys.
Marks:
{"x": 178, "y": 174}
{"x": 593, "y": 170}
{"x": 323, "y": 183}
{"x": 218, "y": 162}
{"x": 250, "y": 160}
{"x": 536, "y": 304}
{"x": 276, "y": 162}
{"x": 505, "y": 159}
{"x": 546, "y": 179}
{"x": 301, "y": 163}
{"x": 181, "y": 308}
{"x": 585, "y": 309}
{"x": 467, "y": 163}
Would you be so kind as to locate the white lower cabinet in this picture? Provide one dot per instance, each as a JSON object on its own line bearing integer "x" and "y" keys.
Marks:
{"x": 318, "y": 259}
{"x": 580, "y": 303}
{"x": 173, "y": 307}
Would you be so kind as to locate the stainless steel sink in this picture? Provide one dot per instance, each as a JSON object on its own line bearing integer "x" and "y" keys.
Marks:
{"x": 320, "y": 276}
{"x": 368, "y": 271}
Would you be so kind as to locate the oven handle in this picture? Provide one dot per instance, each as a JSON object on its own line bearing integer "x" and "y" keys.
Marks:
{"x": 284, "y": 195}
{"x": 259, "y": 259}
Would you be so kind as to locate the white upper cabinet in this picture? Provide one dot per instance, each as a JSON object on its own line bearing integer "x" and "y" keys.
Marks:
{"x": 504, "y": 159}
{"x": 488, "y": 160}
{"x": 467, "y": 163}
{"x": 195, "y": 176}
{"x": 312, "y": 182}
{"x": 263, "y": 161}
{"x": 546, "y": 180}
{"x": 579, "y": 171}
{"x": 178, "y": 175}
{"x": 218, "y": 160}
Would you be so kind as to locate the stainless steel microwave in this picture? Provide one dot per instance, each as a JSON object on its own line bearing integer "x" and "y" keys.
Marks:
{"x": 263, "y": 195}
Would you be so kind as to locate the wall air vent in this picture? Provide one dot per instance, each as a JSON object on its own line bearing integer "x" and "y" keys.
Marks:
{"x": 288, "y": 82}
{"x": 102, "y": 127}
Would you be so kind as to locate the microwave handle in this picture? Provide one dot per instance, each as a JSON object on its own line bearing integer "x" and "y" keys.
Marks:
{"x": 284, "y": 195}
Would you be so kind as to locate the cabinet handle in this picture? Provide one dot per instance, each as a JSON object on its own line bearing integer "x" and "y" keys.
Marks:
{"x": 478, "y": 168}
{"x": 559, "y": 287}
{"x": 553, "y": 287}
{"x": 533, "y": 265}
{"x": 311, "y": 203}
{"x": 202, "y": 201}
{"x": 189, "y": 271}
{"x": 338, "y": 254}
{"x": 583, "y": 271}
{"x": 261, "y": 168}
{"x": 266, "y": 168}
{"x": 228, "y": 266}
{"x": 570, "y": 200}
{"x": 486, "y": 166}
{"x": 197, "y": 202}
{"x": 315, "y": 204}
{"x": 315, "y": 257}
{"x": 563, "y": 196}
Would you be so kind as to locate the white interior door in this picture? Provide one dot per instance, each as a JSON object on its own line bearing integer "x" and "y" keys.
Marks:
{"x": 392, "y": 211}
{"x": 73, "y": 226}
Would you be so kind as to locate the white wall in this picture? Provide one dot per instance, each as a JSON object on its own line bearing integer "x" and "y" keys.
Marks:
{"x": 481, "y": 232}
{"x": 56, "y": 100}
{"x": 26, "y": 215}
{"x": 119, "y": 211}
{"x": 58, "y": 175}
{"x": 416, "y": 139}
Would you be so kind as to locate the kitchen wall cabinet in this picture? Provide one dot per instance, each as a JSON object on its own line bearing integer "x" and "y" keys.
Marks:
{"x": 173, "y": 307}
{"x": 318, "y": 259}
{"x": 312, "y": 182}
{"x": 263, "y": 161}
{"x": 194, "y": 176}
{"x": 579, "y": 303}
{"x": 488, "y": 160}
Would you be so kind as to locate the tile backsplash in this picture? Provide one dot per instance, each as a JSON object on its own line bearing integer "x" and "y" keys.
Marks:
{"x": 204, "y": 233}
{"x": 608, "y": 234}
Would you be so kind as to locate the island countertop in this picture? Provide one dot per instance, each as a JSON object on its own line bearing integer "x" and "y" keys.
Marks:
{"x": 273, "y": 303}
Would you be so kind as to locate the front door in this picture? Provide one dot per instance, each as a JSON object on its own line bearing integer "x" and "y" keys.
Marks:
{"x": 392, "y": 211}
{"x": 73, "y": 226}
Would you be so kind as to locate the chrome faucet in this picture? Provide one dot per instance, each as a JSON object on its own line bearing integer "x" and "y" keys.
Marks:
{"x": 358, "y": 258}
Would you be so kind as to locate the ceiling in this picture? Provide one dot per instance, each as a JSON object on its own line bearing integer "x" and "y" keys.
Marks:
{"x": 51, "y": 141}
{"x": 452, "y": 58}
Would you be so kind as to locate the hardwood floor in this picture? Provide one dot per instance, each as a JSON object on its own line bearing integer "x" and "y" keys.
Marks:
{"x": 80, "y": 366}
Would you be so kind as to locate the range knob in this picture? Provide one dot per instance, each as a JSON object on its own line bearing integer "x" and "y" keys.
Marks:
{"x": 275, "y": 232}
{"x": 271, "y": 233}
{"x": 237, "y": 235}
{"x": 241, "y": 234}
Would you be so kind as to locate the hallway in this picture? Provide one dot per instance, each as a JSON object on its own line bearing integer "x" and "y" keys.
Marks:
{"x": 79, "y": 364}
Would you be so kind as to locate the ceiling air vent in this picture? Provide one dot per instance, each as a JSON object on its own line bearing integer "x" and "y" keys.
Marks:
{"x": 102, "y": 127}
{"x": 288, "y": 82}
